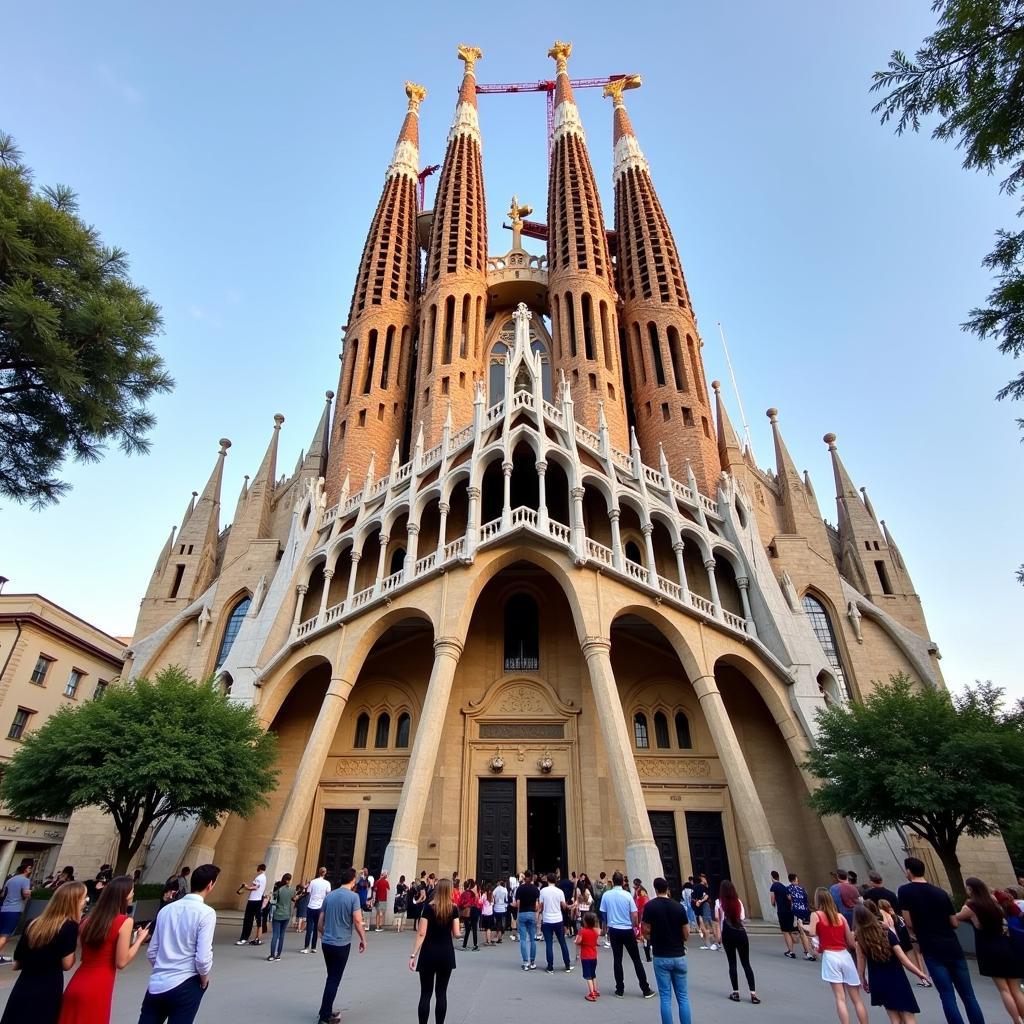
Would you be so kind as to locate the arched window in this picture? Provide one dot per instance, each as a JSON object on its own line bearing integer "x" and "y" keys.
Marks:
{"x": 235, "y": 620}
{"x": 397, "y": 561}
{"x": 496, "y": 374}
{"x": 683, "y": 731}
{"x": 822, "y": 626}
{"x": 661, "y": 731}
{"x": 362, "y": 731}
{"x": 632, "y": 552}
{"x": 640, "y": 731}
{"x": 402, "y": 730}
{"x": 383, "y": 734}
{"x": 522, "y": 634}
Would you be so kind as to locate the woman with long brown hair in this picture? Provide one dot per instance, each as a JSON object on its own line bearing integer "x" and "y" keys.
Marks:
{"x": 997, "y": 958}
{"x": 880, "y": 964}
{"x": 45, "y": 951}
{"x": 433, "y": 953}
{"x": 729, "y": 916}
{"x": 834, "y": 940}
{"x": 107, "y": 947}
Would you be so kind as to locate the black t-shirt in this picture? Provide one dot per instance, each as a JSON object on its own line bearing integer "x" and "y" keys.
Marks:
{"x": 47, "y": 959}
{"x": 666, "y": 919}
{"x": 527, "y": 894}
{"x": 879, "y": 892}
{"x": 700, "y": 892}
{"x": 782, "y": 902}
{"x": 930, "y": 910}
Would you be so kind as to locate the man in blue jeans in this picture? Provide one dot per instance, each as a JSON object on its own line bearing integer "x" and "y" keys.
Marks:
{"x": 666, "y": 925}
{"x": 931, "y": 918}
{"x": 341, "y": 914}
{"x": 525, "y": 904}
{"x": 552, "y": 911}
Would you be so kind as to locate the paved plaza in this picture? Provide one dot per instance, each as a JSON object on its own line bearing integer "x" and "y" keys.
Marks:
{"x": 489, "y": 987}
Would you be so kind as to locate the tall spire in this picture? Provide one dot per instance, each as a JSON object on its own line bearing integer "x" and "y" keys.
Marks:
{"x": 453, "y": 306}
{"x": 377, "y": 354}
{"x": 314, "y": 463}
{"x": 800, "y": 513}
{"x": 729, "y": 451}
{"x": 583, "y": 302}
{"x": 670, "y": 394}
{"x": 253, "y": 517}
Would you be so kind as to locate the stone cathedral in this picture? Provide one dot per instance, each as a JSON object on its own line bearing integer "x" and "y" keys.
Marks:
{"x": 526, "y": 600}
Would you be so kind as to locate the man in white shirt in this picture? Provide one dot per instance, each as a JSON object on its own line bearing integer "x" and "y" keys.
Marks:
{"x": 500, "y": 896}
{"x": 181, "y": 954}
{"x": 256, "y": 888}
{"x": 318, "y": 890}
{"x": 552, "y": 907}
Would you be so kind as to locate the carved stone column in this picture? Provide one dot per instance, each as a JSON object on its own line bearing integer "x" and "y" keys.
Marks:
{"x": 506, "y": 503}
{"x": 681, "y": 568}
{"x": 472, "y": 522}
{"x": 411, "y": 551}
{"x": 442, "y": 530}
{"x": 713, "y": 584}
{"x": 382, "y": 559}
{"x": 613, "y": 518}
{"x": 328, "y": 576}
{"x": 762, "y": 851}
{"x": 542, "y": 495}
{"x": 579, "y": 529}
{"x": 401, "y": 855}
{"x": 642, "y": 858}
{"x": 652, "y": 568}
{"x": 743, "y": 583}
{"x": 354, "y": 558}
{"x": 300, "y": 592}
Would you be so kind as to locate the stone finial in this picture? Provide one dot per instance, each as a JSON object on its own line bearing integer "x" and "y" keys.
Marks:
{"x": 830, "y": 440}
{"x": 560, "y": 53}
{"x": 416, "y": 94}
{"x": 329, "y": 395}
{"x": 278, "y": 420}
{"x": 773, "y": 415}
{"x": 225, "y": 444}
{"x": 716, "y": 386}
{"x": 470, "y": 54}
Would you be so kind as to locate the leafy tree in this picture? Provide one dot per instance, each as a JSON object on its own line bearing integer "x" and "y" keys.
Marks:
{"x": 77, "y": 363}
{"x": 941, "y": 766}
{"x": 970, "y": 72}
{"x": 145, "y": 752}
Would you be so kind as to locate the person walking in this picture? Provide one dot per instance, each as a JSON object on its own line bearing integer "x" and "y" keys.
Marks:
{"x": 45, "y": 951}
{"x": 686, "y": 899}
{"x": 469, "y": 912}
{"x": 552, "y": 917}
{"x": 780, "y": 899}
{"x": 416, "y": 901}
{"x": 181, "y": 954}
{"x": 800, "y": 903}
{"x": 600, "y": 888}
{"x": 835, "y": 941}
{"x": 364, "y": 890}
{"x": 341, "y": 916}
{"x": 487, "y": 914}
{"x": 301, "y": 903}
{"x": 318, "y": 890}
{"x": 642, "y": 899}
{"x": 666, "y": 927}
{"x": 108, "y": 946}
{"x": 587, "y": 937}
{"x": 620, "y": 908}
{"x": 253, "y": 907}
{"x": 280, "y": 915}
{"x": 845, "y": 895}
{"x": 702, "y": 907}
{"x": 730, "y": 915}
{"x": 401, "y": 903}
{"x": 381, "y": 889}
{"x": 433, "y": 951}
{"x": 997, "y": 958}
{"x": 527, "y": 896}
{"x": 16, "y": 894}
{"x": 880, "y": 966}
{"x": 931, "y": 919}
{"x": 877, "y": 891}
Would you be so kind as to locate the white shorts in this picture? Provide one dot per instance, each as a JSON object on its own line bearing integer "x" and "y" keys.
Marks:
{"x": 837, "y": 967}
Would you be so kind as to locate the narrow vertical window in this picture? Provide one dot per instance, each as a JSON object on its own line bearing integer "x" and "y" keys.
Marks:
{"x": 522, "y": 634}
{"x": 676, "y": 352}
{"x": 449, "y": 329}
{"x": 661, "y": 731}
{"x": 402, "y": 731}
{"x": 822, "y": 626}
{"x": 683, "y": 731}
{"x": 659, "y": 369}
{"x": 362, "y": 731}
{"x": 234, "y": 624}
{"x": 385, "y": 363}
{"x": 383, "y": 733}
{"x": 570, "y": 314}
{"x": 588, "y": 326}
{"x": 371, "y": 354}
{"x": 351, "y": 368}
{"x": 640, "y": 731}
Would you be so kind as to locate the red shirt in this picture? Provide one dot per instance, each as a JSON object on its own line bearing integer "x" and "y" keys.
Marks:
{"x": 588, "y": 943}
{"x": 849, "y": 894}
{"x": 380, "y": 889}
{"x": 831, "y": 937}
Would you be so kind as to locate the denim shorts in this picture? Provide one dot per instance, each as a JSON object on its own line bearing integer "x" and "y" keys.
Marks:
{"x": 9, "y": 921}
{"x": 589, "y": 969}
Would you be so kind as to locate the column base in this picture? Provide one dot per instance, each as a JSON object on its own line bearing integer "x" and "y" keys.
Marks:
{"x": 763, "y": 861}
{"x": 643, "y": 861}
{"x": 281, "y": 857}
{"x": 400, "y": 858}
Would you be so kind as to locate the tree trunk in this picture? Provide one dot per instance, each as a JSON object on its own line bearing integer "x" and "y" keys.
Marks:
{"x": 950, "y": 861}
{"x": 128, "y": 843}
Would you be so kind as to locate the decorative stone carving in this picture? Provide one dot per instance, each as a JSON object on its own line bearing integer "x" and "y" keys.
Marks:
{"x": 522, "y": 700}
{"x": 672, "y": 768}
{"x": 788, "y": 588}
{"x": 372, "y": 767}
{"x": 853, "y": 612}
{"x": 522, "y": 731}
{"x": 545, "y": 764}
{"x": 204, "y": 620}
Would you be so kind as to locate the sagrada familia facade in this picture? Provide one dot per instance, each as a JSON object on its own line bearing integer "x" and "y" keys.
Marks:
{"x": 526, "y": 600}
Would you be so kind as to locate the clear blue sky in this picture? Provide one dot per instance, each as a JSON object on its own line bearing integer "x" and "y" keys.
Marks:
{"x": 236, "y": 150}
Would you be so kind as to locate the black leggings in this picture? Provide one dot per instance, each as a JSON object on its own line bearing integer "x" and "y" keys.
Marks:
{"x": 470, "y": 924}
{"x": 434, "y": 983}
{"x": 734, "y": 940}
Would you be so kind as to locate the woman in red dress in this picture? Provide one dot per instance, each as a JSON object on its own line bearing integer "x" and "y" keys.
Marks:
{"x": 107, "y": 947}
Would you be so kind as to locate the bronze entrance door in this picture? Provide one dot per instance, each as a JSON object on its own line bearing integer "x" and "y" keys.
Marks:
{"x": 707, "y": 847}
{"x": 663, "y": 825}
{"x": 338, "y": 843}
{"x": 496, "y": 829}
{"x": 378, "y": 835}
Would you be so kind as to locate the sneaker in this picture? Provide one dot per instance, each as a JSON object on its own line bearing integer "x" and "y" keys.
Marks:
{"x": 270, "y": 959}
{"x": 526, "y": 967}
{"x": 305, "y": 949}
{"x": 240, "y": 942}
{"x": 549, "y": 970}
{"x": 789, "y": 953}
{"x": 532, "y": 966}
{"x": 620, "y": 995}
{"x": 607, "y": 945}
{"x": 810, "y": 956}
{"x": 650, "y": 994}
{"x": 707, "y": 947}
{"x": 256, "y": 942}
{"x": 590, "y": 997}
{"x": 569, "y": 969}
{"x": 713, "y": 946}
{"x": 6, "y": 960}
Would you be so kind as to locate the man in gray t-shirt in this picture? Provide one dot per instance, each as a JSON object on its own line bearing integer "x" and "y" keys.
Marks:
{"x": 341, "y": 914}
{"x": 17, "y": 893}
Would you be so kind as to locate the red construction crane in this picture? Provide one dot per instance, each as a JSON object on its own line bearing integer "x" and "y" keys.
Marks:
{"x": 548, "y": 87}
{"x": 422, "y": 178}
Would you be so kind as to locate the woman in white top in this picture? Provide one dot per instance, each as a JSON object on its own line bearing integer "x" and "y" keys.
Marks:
{"x": 730, "y": 915}
{"x": 583, "y": 904}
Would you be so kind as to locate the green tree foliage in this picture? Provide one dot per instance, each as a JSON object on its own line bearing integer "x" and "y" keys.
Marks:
{"x": 938, "y": 765}
{"x": 970, "y": 72}
{"x": 145, "y": 752}
{"x": 77, "y": 363}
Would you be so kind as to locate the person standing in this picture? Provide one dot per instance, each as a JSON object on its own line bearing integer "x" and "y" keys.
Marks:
{"x": 341, "y": 916}
{"x": 701, "y": 900}
{"x": 552, "y": 917}
{"x": 108, "y": 946}
{"x": 500, "y": 895}
{"x": 800, "y": 903}
{"x": 835, "y": 940}
{"x": 381, "y": 889}
{"x": 318, "y": 890}
{"x": 181, "y": 954}
{"x": 880, "y": 965}
{"x": 253, "y": 906}
{"x": 587, "y": 937}
{"x": 525, "y": 903}
{"x": 600, "y": 888}
{"x": 433, "y": 951}
{"x": 280, "y": 915}
{"x": 182, "y": 881}
{"x": 364, "y": 890}
{"x": 401, "y": 903}
{"x": 878, "y": 892}
{"x": 686, "y": 899}
{"x": 301, "y": 903}
{"x": 417, "y": 900}
{"x": 730, "y": 915}
{"x": 931, "y": 918}
{"x": 620, "y": 908}
{"x": 45, "y": 951}
{"x": 469, "y": 912}
{"x": 844, "y": 895}
{"x": 17, "y": 893}
{"x": 666, "y": 927}
{"x": 997, "y": 957}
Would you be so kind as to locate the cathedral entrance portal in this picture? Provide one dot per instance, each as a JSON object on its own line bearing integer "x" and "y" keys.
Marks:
{"x": 338, "y": 845}
{"x": 546, "y": 847}
{"x": 707, "y": 846}
{"x": 496, "y": 829}
{"x": 663, "y": 825}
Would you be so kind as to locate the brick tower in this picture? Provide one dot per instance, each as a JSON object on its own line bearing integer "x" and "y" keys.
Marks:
{"x": 372, "y": 391}
{"x": 580, "y": 284}
{"x": 454, "y": 300}
{"x": 670, "y": 394}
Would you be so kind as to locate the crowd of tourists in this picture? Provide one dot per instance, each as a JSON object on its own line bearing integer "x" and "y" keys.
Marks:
{"x": 867, "y": 937}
